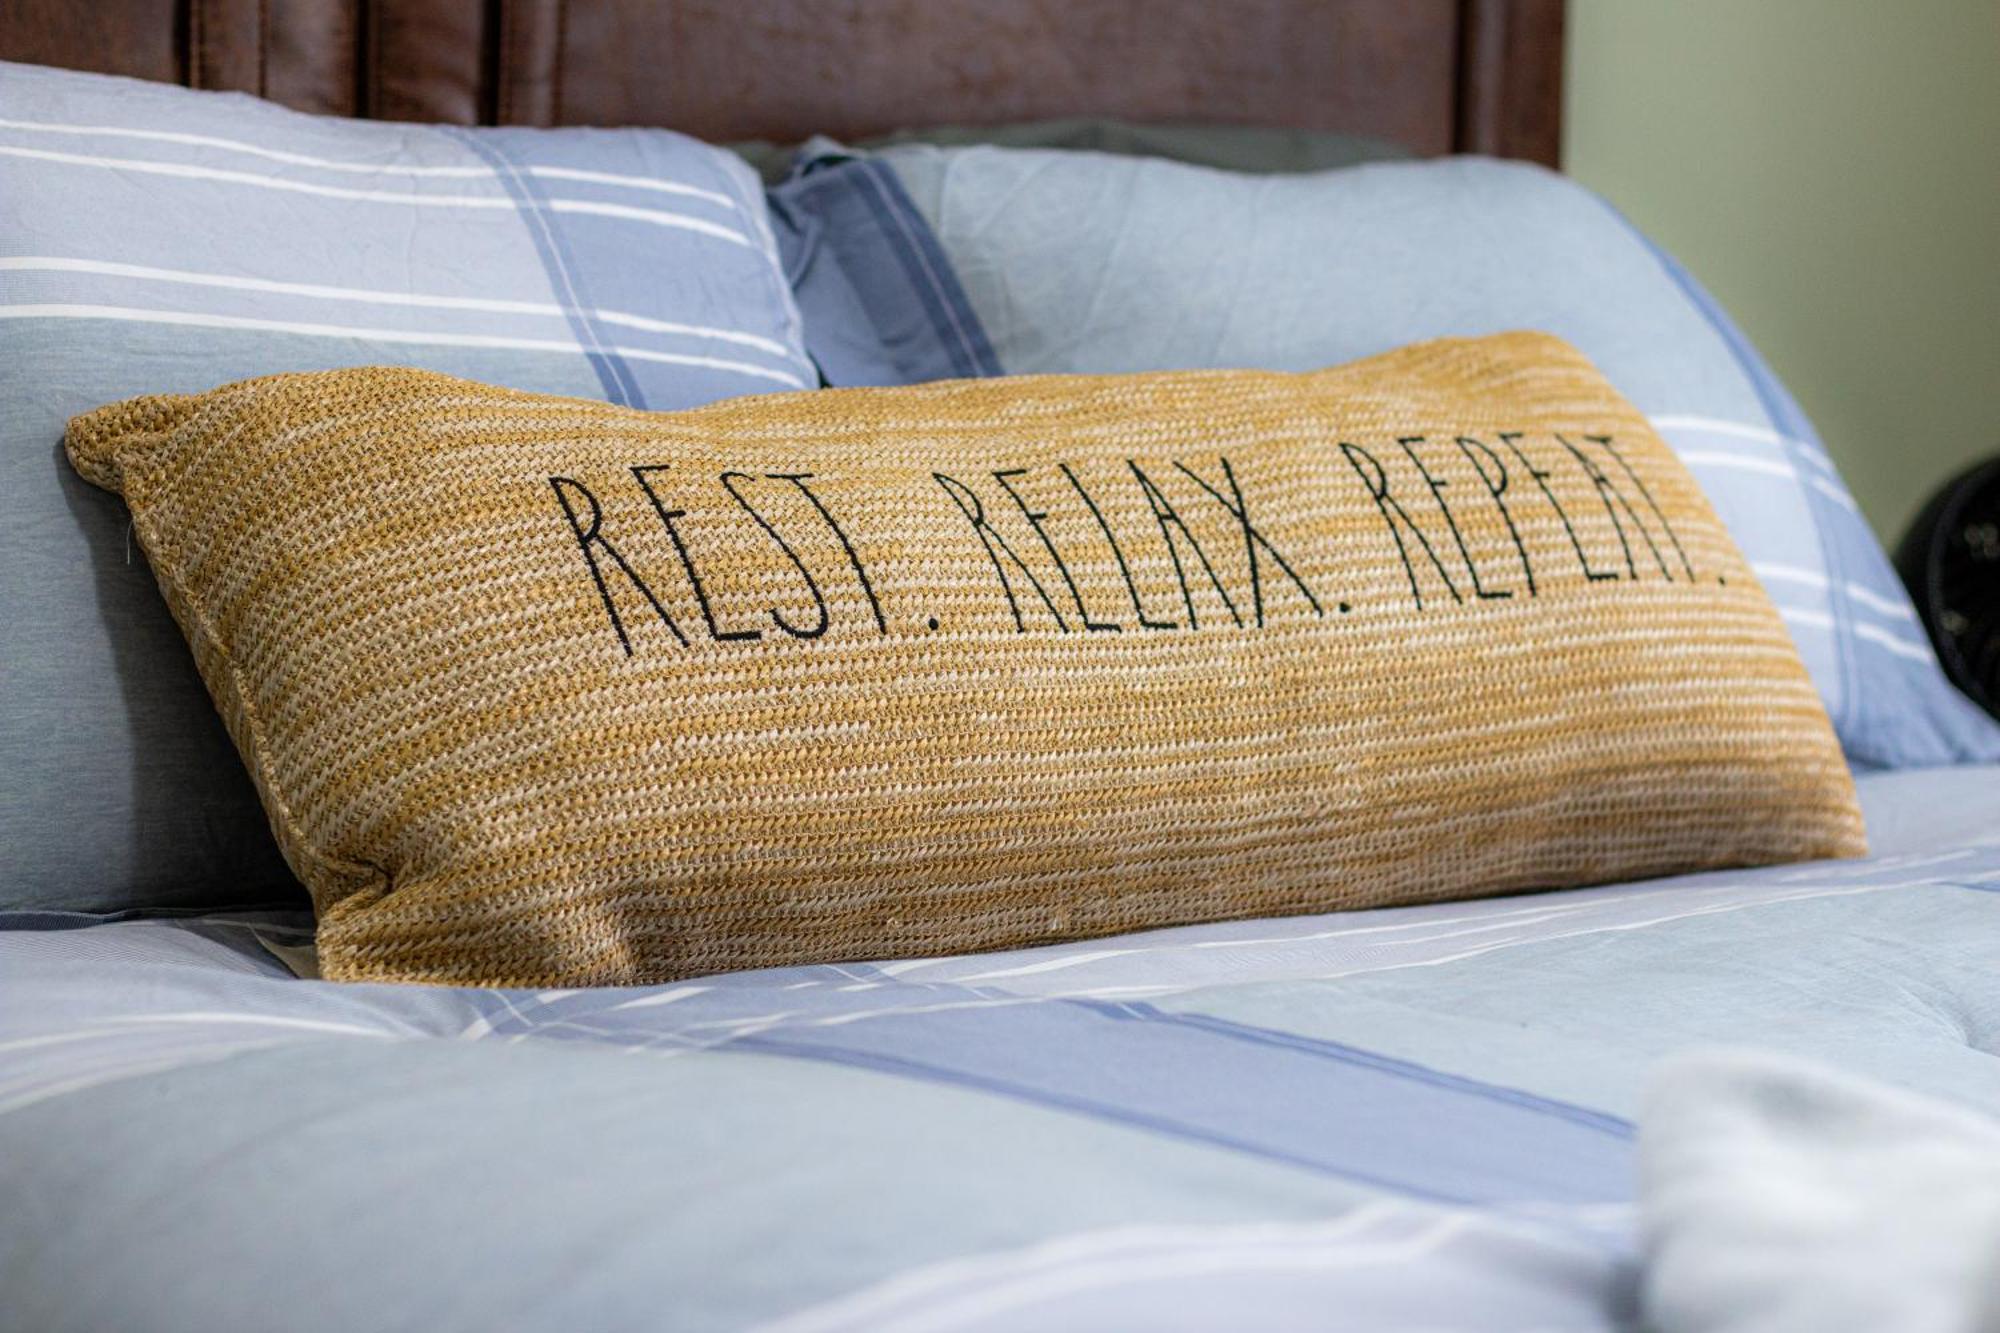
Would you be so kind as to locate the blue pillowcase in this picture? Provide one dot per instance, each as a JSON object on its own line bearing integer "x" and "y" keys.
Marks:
{"x": 158, "y": 240}
{"x": 878, "y": 295}
{"x": 1082, "y": 262}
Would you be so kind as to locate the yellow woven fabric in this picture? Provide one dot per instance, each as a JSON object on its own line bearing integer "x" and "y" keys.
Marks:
{"x": 548, "y": 692}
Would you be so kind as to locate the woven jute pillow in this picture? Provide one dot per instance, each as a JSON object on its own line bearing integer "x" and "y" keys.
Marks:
{"x": 549, "y": 692}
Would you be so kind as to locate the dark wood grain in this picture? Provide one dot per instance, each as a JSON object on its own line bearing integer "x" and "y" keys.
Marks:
{"x": 1435, "y": 75}
{"x": 1510, "y": 81}
{"x": 779, "y": 69}
{"x": 146, "y": 39}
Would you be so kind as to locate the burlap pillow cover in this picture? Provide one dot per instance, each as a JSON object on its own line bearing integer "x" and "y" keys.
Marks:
{"x": 545, "y": 692}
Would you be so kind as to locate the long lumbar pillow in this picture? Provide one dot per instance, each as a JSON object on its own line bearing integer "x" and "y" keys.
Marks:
{"x": 540, "y": 691}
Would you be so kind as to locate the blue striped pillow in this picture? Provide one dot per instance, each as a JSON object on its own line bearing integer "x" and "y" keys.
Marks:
{"x": 157, "y": 240}
{"x": 1083, "y": 262}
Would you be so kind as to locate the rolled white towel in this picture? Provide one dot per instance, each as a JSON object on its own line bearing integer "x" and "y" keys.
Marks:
{"x": 1779, "y": 1196}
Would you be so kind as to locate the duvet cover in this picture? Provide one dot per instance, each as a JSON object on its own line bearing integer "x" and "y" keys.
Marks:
{"x": 1415, "y": 1117}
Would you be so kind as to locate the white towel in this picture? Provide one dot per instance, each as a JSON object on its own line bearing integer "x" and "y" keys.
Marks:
{"x": 1778, "y": 1196}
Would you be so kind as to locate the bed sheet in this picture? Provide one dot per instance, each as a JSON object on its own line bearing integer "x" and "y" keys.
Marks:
{"x": 1406, "y": 1117}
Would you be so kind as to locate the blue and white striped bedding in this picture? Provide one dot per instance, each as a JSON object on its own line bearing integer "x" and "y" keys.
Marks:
{"x": 1057, "y": 262}
{"x": 1415, "y": 1117}
{"x": 223, "y": 213}
{"x": 157, "y": 240}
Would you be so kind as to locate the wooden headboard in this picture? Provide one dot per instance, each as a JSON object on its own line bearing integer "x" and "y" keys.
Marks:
{"x": 1435, "y": 75}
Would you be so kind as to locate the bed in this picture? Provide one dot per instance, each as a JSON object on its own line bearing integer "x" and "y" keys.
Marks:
{"x": 1409, "y": 1117}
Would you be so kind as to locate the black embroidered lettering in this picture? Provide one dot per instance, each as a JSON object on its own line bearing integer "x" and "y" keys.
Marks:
{"x": 667, "y": 517}
{"x": 1605, "y": 494}
{"x": 1496, "y": 486}
{"x": 1647, "y": 495}
{"x": 1511, "y": 438}
{"x": 1035, "y": 518}
{"x": 1164, "y": 515}
{"x": 799, "y": 479}
{"x": 975, "y": 514}
{"x": 729, "y": 480}
{"x": 1608, "y": 489}
{"x": 1437, "y": 485}
{"x": 1117, "y": 552}
{"x": 1252, "y": 539}
{"x": 589, "y": 539}
{"x": 1377, "y": 482}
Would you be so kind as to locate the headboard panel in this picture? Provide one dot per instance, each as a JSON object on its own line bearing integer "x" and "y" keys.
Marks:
{"x": 1435, "y": 75}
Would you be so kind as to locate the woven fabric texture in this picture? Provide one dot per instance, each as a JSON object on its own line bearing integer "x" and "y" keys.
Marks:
{"x": 540, "y": 691}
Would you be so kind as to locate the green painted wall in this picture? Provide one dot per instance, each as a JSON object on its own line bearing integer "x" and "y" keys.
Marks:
{"x": 1830, "y": 169}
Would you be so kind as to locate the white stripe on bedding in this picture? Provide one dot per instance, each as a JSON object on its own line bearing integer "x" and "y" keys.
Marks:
{"x": 1739, "y": 463}
{"x": 1717, "y": 426}
{"x": 1881, "y": 638}
{"x": 1491, "y": 913}
{"x": 1482, "y": 924}
{"x": 1608, "y": 928}
{"x": 124, "y": 314}
{"x": 629, "y": 182}
{"x": 903, "y": 967}
{"x": 662, "y": 997}
{"x": 729, "y": 1029}
{"x": 483, "y": 1025}
{"x": 1834, "y": 493}
{"x": 194, "y": 1037}
{"x": 611, "y": 178}
{"x": 977, "y": 1288}
{"x": 1882, "y": 605}
{"x": 316, "y": 291}
{"x": 651, "y": 215}
{"x": 32, "y": 1093}
{"x": 1813, "y": 578}
{"x": 1697, "y": 458}
{"x": 1863, "y": 631}
{"x": 497, "y": 201}
{"x": 257, "y": 1020}
{"x": 1743, "y": 431}
{"x": 121, "y": 1024}
{"x": 1488, "y": 920}
{"x": 1858, "y": 869}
